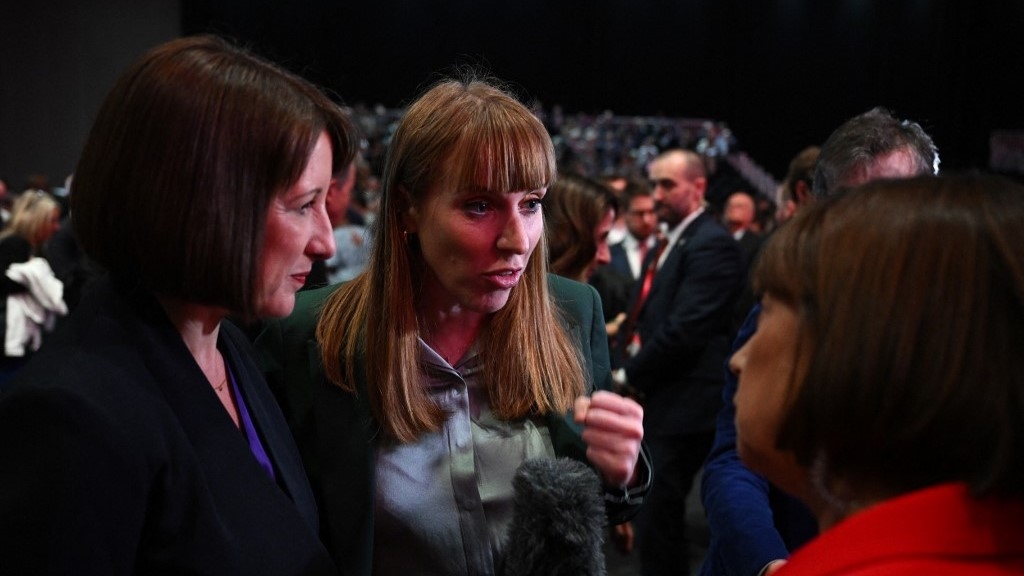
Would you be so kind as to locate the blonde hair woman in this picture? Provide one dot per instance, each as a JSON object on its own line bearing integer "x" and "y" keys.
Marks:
{"x": 35, "y": 218}
{"x": 455, "y": 356}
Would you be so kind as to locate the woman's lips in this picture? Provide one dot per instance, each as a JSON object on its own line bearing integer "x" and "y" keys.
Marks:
{"x": 504, "y": 279}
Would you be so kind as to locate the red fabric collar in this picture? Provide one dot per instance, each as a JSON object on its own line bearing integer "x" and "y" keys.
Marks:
{"x": 938, "y": 530}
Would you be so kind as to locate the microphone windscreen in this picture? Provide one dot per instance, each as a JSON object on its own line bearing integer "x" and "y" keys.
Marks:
{"x": 558, "y": 522}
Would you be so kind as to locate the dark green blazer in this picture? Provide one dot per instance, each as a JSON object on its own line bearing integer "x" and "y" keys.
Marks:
{"x": 335, "y": 430}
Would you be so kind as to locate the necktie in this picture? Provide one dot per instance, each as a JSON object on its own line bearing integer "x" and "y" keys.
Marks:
{"x": 643, "y": 248}
{"x": 650, "y": 269}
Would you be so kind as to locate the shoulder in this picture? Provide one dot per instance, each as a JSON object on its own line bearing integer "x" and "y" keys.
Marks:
{"x": 709, "y": 236}
{"x": 94, "y": 382}
{"x": 578, "y": 304}
{"x": 569, "y": 294}
{"x": 705, "y": 225}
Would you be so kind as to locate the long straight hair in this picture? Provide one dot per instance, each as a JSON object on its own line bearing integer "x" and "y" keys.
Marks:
{"x": 467, "y": 133}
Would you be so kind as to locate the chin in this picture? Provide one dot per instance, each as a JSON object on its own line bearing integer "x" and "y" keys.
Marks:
{"x": 491, "y": 303}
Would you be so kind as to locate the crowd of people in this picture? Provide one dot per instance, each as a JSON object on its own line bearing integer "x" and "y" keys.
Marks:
{"x": 305, "y": 339}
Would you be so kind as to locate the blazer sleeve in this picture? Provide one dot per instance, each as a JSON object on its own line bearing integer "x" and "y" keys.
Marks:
{"x": 600, "y": 361}
{"x": 582, "y": 304}
{"x": 743, "y": 537}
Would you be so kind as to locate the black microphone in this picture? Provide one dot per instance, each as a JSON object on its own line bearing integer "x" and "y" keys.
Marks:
{"x": 558, "y": 520}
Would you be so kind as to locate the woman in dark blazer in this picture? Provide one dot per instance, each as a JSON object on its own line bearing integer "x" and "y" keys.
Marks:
{"x": 142, "y": 439}
{"x": 417, "y": 390}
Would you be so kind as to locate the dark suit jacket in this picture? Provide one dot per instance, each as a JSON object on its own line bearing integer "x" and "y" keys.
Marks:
{"x": 116, "y": 457}
{"x": 336, "y": 431}
{"x": 684, "y": 326}
{"x": 750, "y": 246}
{"x": 619, "y": 261}
{"x": 614, "y": 289}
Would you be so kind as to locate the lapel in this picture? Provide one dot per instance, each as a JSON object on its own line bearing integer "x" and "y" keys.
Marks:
{"x": 222, "y": 450}
{"x": 667, "y": 276}
{"x": 277, "y": 441}
{"x": 620, "y": 259}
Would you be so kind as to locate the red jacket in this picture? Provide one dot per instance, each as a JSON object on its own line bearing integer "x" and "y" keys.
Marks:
{"x": 936, "y": 531}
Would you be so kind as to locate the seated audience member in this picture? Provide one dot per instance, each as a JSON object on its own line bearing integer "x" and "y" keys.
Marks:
{"x": 142, "y": 438}
{"x": 884, "y": 386}
{"x": 754, "y": 526}
{"x": 31, "y": 297}
{"x": 454, "y": 357}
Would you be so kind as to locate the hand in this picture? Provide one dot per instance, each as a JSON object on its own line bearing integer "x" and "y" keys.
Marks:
{"x": 612, "y": 328}
{"x": 622, "y": 537}
{"x": 613, "y": 427}
{"x": 773, "y": 567}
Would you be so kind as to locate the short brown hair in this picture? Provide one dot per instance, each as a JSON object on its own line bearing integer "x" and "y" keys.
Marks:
{"x": 911, "y": 302}
{"x": 861, "y": 140}
{"x": 185, "y": 155}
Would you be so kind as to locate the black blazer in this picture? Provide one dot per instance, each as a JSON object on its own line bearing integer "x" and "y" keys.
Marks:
{"x": 619, "y": 260}
{"x": 335, "y": 429}
{"x": 116, "y": 457}
{"x": 684, "y": 326}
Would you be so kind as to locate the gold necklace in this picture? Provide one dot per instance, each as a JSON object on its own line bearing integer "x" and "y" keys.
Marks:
{"x": 220, "y": 387}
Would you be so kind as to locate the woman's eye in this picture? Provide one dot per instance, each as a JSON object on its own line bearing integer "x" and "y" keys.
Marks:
{"x": 477, "y": 207}
{"x": 533, "y": 204}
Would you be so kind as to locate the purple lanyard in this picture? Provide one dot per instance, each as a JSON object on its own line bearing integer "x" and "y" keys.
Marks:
{"x": 248, "y": 429}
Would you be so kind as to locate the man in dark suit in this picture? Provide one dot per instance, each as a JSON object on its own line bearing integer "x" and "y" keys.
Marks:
{"x": 673, "y": 349}
{"x": 627, "y": 256}
{"x": 615, "y": 281}
{"x": 739, "y": 219}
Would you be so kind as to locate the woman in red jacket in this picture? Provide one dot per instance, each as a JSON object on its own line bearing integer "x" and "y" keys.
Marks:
{"x": 884, "y": 386}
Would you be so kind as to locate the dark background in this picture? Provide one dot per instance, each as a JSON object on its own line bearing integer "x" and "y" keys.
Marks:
{"x": 781, "y": 74}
